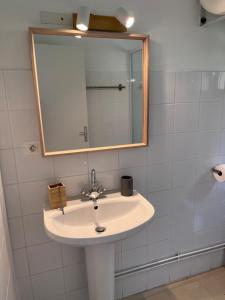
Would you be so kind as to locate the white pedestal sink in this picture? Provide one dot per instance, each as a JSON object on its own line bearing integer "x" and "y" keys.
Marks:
{"x": 121, "y": 216}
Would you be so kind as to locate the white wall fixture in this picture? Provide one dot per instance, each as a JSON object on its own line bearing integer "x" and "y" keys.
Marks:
{"x": 211, "y": 12}
{"x": 120, "y": 216}
{"x": 83, "y": 16}
{"x": 219, "y": 172}
{"x": 127, "y": 19}
{"x": 216, "y": 7}
{"x": 32, "y": 148}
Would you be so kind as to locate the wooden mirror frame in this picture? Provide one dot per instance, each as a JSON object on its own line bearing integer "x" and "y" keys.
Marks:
{"x": 93, "y": 34}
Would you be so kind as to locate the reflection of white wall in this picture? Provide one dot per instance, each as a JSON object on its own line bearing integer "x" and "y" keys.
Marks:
{"x": 105, "y": 56}
{"x": 136, "y": 95}
{"x": 108, "y": 113}
{"x": 108, "y": 110}
{"x": 63, "y": 95}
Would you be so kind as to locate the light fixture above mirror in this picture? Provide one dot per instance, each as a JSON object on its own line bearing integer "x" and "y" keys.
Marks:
{"x": 127, "y": 19}
{"x": 83, "y": 17}
{"x": 83, "y": 20}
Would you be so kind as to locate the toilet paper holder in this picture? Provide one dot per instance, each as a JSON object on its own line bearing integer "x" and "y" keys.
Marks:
{"x": 214, "y": 170}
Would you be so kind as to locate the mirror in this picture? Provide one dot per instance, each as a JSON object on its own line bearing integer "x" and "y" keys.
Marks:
{"x": 92, "y": 90}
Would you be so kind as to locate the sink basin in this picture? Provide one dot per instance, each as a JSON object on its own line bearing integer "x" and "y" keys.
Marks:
{"x": 121, "y": 216}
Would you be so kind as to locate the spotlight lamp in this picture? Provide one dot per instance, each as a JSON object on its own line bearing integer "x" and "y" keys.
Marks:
{"x": 83, "y": 16}
{"x": 127, "y": 19}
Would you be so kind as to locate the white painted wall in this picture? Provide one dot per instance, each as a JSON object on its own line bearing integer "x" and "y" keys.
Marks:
{"x": 106, "y": 64}
{"x": 178, "y": 43}
{"x": 61, "y": 76}
{"x": 7, "y": 279}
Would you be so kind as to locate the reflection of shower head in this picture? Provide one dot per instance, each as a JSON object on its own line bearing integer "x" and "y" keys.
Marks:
{"x": 216, "y": 7}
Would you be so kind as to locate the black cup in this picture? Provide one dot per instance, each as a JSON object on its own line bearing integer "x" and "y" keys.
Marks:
{"x": 126, "y": 185}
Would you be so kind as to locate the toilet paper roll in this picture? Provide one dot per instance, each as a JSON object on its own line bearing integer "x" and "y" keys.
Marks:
{"x": 220, "y": 175}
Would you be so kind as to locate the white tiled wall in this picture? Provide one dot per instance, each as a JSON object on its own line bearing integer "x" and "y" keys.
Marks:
{"x": 187, "y": 133}
{"x": 8, "y": 290}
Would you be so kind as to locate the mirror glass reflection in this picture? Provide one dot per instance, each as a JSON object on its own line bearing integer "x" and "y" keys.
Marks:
{"x": 91, "y": 91}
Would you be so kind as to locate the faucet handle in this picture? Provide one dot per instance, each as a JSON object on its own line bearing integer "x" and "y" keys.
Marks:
{"x": 101, "y": 190}
{"x": 85, "y": 191}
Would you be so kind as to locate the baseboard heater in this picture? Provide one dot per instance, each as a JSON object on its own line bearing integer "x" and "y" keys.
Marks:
{"x": 169, "y": 260}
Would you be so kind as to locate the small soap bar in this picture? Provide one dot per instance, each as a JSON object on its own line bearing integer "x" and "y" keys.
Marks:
{"x": 57, "y": 195}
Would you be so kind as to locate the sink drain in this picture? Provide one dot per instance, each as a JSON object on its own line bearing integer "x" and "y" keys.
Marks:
{"x": 100, "y": 229}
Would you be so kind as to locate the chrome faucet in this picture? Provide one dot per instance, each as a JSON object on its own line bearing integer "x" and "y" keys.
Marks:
{"x": 94, "y": 189}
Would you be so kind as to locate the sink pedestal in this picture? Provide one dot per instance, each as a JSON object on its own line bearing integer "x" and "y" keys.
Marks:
{"x": 100, "y": 271}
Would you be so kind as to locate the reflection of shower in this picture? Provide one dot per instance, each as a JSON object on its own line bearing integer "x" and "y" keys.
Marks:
{"x": 136, "y": 95}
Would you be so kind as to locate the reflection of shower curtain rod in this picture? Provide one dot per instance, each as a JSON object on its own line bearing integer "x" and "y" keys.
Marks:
{"x": 119, "y": 87}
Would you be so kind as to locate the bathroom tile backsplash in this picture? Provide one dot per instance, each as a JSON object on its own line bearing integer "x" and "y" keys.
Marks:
{"x": 187, "y": 137}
